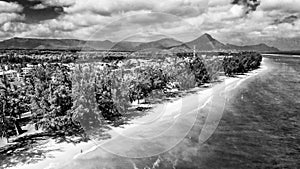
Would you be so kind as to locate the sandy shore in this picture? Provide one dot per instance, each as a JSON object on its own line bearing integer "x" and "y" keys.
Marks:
{"x": 159, "y": 131}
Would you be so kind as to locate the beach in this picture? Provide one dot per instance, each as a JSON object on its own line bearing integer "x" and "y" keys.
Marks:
{"x": 139, "y": 84}
{"x": 170, "y": 130}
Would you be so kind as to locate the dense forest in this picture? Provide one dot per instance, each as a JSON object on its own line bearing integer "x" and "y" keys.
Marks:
{"x": 25, "y": 59}
{"x": 75, "y": 100}
{"x": 241, "y": 63}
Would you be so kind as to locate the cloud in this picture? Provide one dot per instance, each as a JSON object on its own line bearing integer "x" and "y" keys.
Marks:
{"x": 116, "y": 19}
{"x": 7, "y": 17}
{"x": 10, "y": 7}
{"x": 10, "y": 11}
{"x": 39, "y": 6}
{"x": 107, "y": 7}
{"x": 54, "y": 3}
{"x": 9, "y": 28}
{"x": 12, "y": 27}
{"x": 214, "y": 3}
{"x": 289, "y": 19}
{"x": 249, "y": 5}
{"x": 290, "y": 6}
{"x": 105, "y": 19}
{"x": 58, "y": 2}
{"x": 135, "y": 22}
{"x": 232, "y": 21}
{"x": 237, "y": 11}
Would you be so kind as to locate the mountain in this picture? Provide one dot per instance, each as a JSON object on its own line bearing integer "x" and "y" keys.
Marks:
{"x": 284, "y": 44}
{"x": 259, "y": 47}
{"x": 125, "y": 46}
{"x": 96, "y": 45}
{"x": 33, "y": 43}
{"x": 206, "y": 43}
{"x": 180, "y": 48}
{"x": 165, "y": 43}
{"x": 30, "y": 43}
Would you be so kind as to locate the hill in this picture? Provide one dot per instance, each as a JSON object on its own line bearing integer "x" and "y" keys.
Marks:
{"x": 204, "y": 43}
{"x": 259, "y": 47}
{"x": 31, "y": 43}
{"x": 165, "y": 43}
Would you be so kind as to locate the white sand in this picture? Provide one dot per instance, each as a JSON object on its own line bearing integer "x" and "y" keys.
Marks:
{"x": 168, "y": 122}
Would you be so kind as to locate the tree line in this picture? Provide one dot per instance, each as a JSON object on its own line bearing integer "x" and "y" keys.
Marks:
{"x": 81, "y": 99}
{"x": 9, "y": 59}
{"x": 241, "y": 63}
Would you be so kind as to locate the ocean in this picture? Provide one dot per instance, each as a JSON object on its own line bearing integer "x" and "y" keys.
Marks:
{"x": 259, "y": 128}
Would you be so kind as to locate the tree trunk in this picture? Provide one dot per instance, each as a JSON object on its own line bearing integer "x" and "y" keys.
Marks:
{"x": 7, "y": 139}
{"x": 18, "y": 128}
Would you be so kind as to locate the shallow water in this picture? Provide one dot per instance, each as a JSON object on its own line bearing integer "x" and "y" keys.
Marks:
{"x": 260, "y": 128}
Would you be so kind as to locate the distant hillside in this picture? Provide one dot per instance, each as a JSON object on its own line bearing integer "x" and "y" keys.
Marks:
{"x": 284, "y": 44}
{"x": 180, "y": 48}
{"x": 30, "y": 43}
{"x": 204, "y": 43}
{"x": 165, "y": 43}
{"x": 97, "y": 45}
{"x": 125, "y": 46}
{"x": 259, "y": 47}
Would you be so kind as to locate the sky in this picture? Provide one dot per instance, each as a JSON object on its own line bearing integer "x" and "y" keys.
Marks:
{"x": 238, "y": 22}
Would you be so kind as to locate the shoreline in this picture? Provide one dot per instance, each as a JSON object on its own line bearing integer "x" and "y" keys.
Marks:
{"x": 282, "y": 55}
{"x": 202, "y": 92}
{"x": 73, "y": 152}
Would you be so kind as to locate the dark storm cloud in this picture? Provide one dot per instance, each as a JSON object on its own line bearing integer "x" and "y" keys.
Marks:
{"x": 289, "y": 19}
{"x": 250, "y": 5}
{"x": 33, "y": 15}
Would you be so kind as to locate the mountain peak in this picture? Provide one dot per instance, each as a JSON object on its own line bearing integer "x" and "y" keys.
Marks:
{"x": 206, "y": 34}
{"x": 206, "y": 37}
{"x": 206, "y": 42}
{"x": 107, "y": 41}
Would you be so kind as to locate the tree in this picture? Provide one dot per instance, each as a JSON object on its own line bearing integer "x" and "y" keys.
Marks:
{"x": 13, "y": 105}
{"x": 198, "y": 67}
{"x": 241, "y": 62}
{"x": 52, "y": 98}
{"x": 85, "y": 106}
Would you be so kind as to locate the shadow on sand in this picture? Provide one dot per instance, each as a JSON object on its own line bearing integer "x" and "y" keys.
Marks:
{"x": 33, "y": 148}
{"x": 24, "y": 151}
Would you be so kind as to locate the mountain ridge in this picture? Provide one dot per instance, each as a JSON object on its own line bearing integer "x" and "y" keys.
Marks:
{"x": 258, "y": 47}
{"x": 203, "y": 43}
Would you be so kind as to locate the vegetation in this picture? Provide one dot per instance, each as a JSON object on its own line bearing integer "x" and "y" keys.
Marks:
{"x": 25, "y": 59}
{"x": 61, "y": 99}
{"x": 241, "y": 63}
